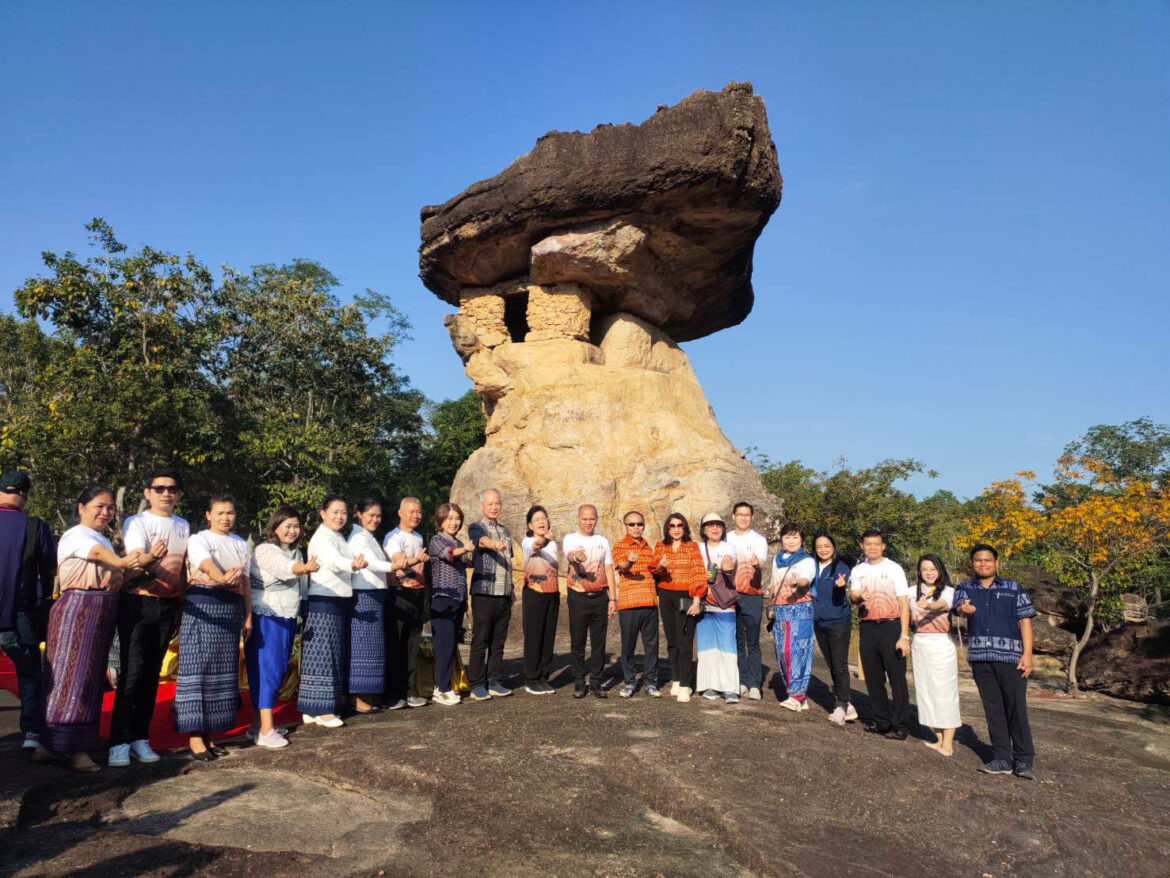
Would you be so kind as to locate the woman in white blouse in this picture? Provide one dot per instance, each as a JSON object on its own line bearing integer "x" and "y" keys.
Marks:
{"x": 279, "y": 581}
{"x": 367, "y": 620}
{"x": 325, "y": 639}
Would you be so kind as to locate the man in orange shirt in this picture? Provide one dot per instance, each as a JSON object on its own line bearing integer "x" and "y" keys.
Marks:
{"x": 637, "y": 605}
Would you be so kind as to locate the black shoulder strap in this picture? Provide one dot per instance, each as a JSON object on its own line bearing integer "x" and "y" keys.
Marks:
{"x": 28, "y": 567}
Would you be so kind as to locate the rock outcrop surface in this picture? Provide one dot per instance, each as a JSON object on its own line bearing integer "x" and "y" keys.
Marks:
{"x": 1131, "y": 662}
{"x": 659, "y": 220}
{"x": 576, "y": 271}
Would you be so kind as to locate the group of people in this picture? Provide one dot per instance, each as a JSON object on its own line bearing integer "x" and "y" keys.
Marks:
{"x": 363, "y": 605}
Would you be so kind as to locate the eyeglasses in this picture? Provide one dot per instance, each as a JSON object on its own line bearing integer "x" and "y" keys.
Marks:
{"x": 165, "y": 489}
{"x": 635, "y": 524}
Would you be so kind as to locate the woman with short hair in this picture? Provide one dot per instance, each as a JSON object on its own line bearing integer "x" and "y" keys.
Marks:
{"x": 450, "y": 560}
{"x": 81, "y": 629}
{"x": 217, "y": 607}
{"x": 541, "y": 600}
{"x": 325, "y": 638}
{"x": 278, "y": 580}
{"x": 793, "y": 577}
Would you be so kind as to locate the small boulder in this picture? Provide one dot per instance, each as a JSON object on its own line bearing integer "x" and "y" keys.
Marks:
{"x": 1131, "y": 662}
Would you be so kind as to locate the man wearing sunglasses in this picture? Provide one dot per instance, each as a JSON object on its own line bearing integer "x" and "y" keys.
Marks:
{"x": 147, "y": 613}
{"x": 637, "y": 605}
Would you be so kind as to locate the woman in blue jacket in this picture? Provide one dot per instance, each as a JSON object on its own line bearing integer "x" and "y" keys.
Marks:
{"x": 832, "y": 622}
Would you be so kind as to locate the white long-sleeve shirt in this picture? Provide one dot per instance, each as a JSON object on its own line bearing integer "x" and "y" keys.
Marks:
{"x": 335, "y": 578}
{"x": 362, "y": 542}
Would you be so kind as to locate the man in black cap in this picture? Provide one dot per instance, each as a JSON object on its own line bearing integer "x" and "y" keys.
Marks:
{"x": 28, "y": 562}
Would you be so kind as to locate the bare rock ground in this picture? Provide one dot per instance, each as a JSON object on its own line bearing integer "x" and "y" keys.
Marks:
{"x": 555, "y": 786}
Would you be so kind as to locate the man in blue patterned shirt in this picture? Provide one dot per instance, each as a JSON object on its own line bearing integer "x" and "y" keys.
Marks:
{"x": 999, "y": 649}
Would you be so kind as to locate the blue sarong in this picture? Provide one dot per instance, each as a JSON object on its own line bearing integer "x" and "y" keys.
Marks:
{"x": 324, "y": 656}
{"x": 367, "y": 642}
{"x": 207, "y": 689}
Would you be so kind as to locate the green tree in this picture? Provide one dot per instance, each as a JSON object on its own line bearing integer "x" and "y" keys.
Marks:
{"x": 455, "y": 428}
{"x": 122, "y": 384}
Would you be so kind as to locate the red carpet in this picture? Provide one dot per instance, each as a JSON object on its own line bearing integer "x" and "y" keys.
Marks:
{"x": 162, "y": 731}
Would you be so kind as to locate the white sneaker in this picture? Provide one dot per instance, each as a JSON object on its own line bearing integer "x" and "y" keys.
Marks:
{"x": 31, "y": 741}
{"x": 743, "y": 690}
{"x": 712, "y": 695}
{"x": 838, "y": 716}
{"x": 272, "y": 740}
{"x": 684, "y": 694}
{"x": 141, "y": 751}
{"x": 792, "y": 704}
{"x": 674, "y": 689}
{"x": 397, "y": 705}
{"x": 447, "y": 699}
{"x": 253, "y": 733}
{"x": 754, "y": 693}
{"x": 851, "y": 714}
{"x": 119, "y": 756}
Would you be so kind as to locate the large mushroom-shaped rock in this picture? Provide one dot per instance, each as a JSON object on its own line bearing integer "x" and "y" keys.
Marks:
{"x": 659, "y": 220}
{"x": 576, "y": 270}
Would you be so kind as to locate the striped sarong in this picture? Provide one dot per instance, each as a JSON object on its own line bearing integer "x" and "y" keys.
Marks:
{"x": 793, "y": 634}
{"x": 81, "y": 628}
{"x": 324, "y": 655}
{"x": 207, "y": 688}
{"x": 367, "y": 641}
{"x": 718, "y": 659}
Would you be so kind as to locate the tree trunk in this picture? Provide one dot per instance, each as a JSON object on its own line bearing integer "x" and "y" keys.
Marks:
{"x": 1094, "y": 589}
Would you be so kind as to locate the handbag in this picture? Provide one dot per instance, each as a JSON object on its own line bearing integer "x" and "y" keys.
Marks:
{"x": 720, "y": 586}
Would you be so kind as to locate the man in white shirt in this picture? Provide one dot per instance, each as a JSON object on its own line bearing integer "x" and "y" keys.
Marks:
{"x": 751, "y": 551}
{"x": 404, "y": 609}
{"x": 147, "y": 612}
{"x": 592, "y": 598}
{"x": 878, "y": 586}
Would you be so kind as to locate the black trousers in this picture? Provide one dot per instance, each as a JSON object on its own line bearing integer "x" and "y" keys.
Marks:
{"x": 541, "y": 612}
{"x": 404, "y": 624}
{"x": 679, "y": 629}
{"x": 490, "y": 617}
{"x": 833, "y": 639}
{"x": 749, "y": 610}
{"x": 639, "y": 622}
{"x": 446, "y": 620}
{"x": 1003, "y": 691}
{"x": 880, "y": 660}
{"x": 145, "y": 626}
{"x": 22, "y": 645}
{"x": 588, "y": 617}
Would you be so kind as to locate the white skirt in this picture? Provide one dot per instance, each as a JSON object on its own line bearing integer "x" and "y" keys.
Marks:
{"x": 936, "y": 680}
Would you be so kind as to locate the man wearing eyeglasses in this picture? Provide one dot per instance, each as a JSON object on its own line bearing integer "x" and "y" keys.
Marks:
{"x": 637, "y": 605}
{"x": 147, "y": 613}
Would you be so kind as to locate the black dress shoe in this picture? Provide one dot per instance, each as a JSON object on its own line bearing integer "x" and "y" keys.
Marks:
{"x": 205, "y": 756}
{"x": 598, "y": 692}
{"x": 875, "y": 729}
{"x": 579, "y": 691}
{"x": 896, "y": 734}
{"x": 217, "y": 752}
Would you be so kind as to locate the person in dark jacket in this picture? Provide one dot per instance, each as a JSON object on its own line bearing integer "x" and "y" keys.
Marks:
{"x": 833, "y": 621}
{"x": 28, "y": 563}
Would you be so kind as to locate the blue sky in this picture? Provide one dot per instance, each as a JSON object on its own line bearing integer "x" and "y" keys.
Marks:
{"x": 970, "y": 264}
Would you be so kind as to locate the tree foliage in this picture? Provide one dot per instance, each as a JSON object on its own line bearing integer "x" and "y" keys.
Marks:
{"x": 263, "y": 384}
{"x": 1112, "y": 527}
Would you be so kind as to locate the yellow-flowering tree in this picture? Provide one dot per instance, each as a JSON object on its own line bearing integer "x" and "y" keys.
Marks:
{"x": 1112, "y": 528}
